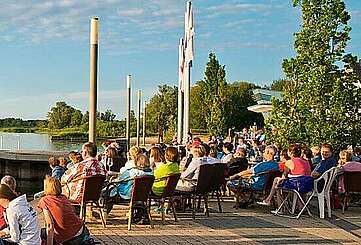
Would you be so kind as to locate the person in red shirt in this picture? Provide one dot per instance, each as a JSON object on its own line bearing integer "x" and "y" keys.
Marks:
{"x": 62, "y": 224}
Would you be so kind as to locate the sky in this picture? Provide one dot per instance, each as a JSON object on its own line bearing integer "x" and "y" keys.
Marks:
{"x": 44, "y": 47}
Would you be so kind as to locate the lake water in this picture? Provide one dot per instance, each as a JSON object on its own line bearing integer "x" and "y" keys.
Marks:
{"x": 30, "y": 141}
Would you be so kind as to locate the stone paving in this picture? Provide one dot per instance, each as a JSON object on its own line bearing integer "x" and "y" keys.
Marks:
{"x": 255, "y": 225}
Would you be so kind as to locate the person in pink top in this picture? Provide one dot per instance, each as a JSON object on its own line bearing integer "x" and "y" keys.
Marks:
{"x": 345, "y": 164}
{"x": 297, "y": 175}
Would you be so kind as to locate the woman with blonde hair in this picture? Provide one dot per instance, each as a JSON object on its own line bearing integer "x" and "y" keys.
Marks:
{"x": 156, "y": 157}
{"x": 62, "y": 224}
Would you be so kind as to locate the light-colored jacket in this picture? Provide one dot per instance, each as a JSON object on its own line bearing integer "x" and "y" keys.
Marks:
{"x": 23, "y": 224}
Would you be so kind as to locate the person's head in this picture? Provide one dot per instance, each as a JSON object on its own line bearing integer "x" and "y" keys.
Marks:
{"x": 306, "y": 154}
{"x": 227, "y": 147}
{"x": 197, "y": 139}
{"x": 345, "y": 156}
{"x": 53, "y": 162}
{"x": 316, "y": 150}
{"x": 294, "y": 150}
{"x": 75, "y": 157}
{"x": 357, "y": 151}
{"x": 198, "y": 151}
{"x": 326, "y": 151}
{"x": 241, "y": 141}
{"x": 9, "y": 181}
{"x": 156, "y": 154}
{"x": 213, "y": 152}
{"x": 110, "y": 152}
{"x": 207, "y": 149}
{"x": 88, "y": 150}
{"x": 284, "y": 155}
{"x": 52, "y": 186}
{"x": 142, "y": 161}
{"x": 171, "y": 154}
{"x": 269, "y": 153}
{"x": 241, "y": 152}
{"x": 245, "y": 130}
{"x": 62, "y": 162}
{"x": 6, "y": 195}
{"x": 134, "y": 151}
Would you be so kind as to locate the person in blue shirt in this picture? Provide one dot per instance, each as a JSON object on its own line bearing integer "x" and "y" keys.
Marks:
{"x": 251, "y": 178}
{"x": 326, "y": 162}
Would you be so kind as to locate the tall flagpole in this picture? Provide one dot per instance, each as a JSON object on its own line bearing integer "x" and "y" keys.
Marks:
{"x": 138, "y": 119}
{"x": 180, "y": 91}
{"x": 128, "y": 111}
{"x": 94, "y": 26}
{"x": 144, "y": 120}
{"x": 188, "y": 57}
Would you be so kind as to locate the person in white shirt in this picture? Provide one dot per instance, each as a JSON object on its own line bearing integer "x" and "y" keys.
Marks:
{"x": 23, "y": 225}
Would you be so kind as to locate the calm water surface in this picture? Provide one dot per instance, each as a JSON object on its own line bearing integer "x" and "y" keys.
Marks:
{"x": 30, "y": 141}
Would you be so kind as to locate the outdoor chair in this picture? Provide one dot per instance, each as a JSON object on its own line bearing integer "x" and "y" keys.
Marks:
{"x": 167, "y": 195}
{"x": 270, "y": 176}
{"x": 139, "y": 198}
{"x": 236, "y": 166}
{"x": 210, "y": 178}
{"x": 92, "y": 187}
{"x": 321, "y": 189}
{"x": 352, "y": 184}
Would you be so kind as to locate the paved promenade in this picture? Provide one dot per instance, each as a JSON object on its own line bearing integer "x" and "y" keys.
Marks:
{"x": 254, "y": 225}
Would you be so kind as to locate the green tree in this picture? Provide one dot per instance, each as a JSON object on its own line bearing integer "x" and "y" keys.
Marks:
{"x": 107, "y": 116}
{"x": 162, "y": 111}
{"x": 76, "y": 118}
{"x": 60, "y": 115}
{"x": 279, "y": 84}
{"x": 321, "y": 102}
{"x": 214, "y": 90}
{"x": 239, "y": 97}
{"x": 197, "y": 108}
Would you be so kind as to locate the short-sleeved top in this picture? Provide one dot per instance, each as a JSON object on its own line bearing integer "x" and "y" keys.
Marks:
{"x": 258, "y": 182}
{"x": 325, "y": 165}
{"x": 66, "y": 223}
{"x": 298, "y": 167}
{"x": 162, "y": 171}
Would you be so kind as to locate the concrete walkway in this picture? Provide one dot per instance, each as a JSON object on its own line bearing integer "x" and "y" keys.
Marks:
{"x": 254, "y": 225}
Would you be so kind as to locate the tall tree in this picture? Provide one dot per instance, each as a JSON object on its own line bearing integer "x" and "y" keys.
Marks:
{"x": 214, "y": 87}
{"x": 162, "y": 111}
{"x": 60, "y": 116}
{"x": 321, "y": 102}
{"x": 239, "y": 97}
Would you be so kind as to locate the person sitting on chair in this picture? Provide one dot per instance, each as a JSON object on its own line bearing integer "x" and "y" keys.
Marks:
{"x": 123, "y": 190}
{"x": 296, "y": 176}
{"x": 250, "y": 178}
{"x": 189, "y": 177}
{"x": 326, "y": 162}
{"x": 62, "y": 224}
{"x": 72, "y": 180}
{"x": 164, "y": 170}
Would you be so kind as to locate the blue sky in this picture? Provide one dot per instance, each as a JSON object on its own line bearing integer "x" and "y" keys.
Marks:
{"x": 44, "y": 47}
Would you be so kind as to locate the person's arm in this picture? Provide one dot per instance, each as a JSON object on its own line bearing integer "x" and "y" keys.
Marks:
{"x": 14, "y": 226}
{"x": 191, "y": 169}
{"x": 49, "y": 227}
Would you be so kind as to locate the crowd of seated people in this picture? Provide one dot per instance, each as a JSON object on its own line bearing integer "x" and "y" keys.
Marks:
{"x": 251, "y": 155}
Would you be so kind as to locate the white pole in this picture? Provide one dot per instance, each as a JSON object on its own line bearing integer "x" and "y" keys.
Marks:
{"x": 139, "y": 112}
{"x": 93, "y": 77}
{"x": 186, "y": 103}
{"x": 180, "y": 92}
{"x": 128, "y": 111}
{"x": 144, "y": 121}
{"x": 18, "y": 142}
{"x": 1, "y": 142}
